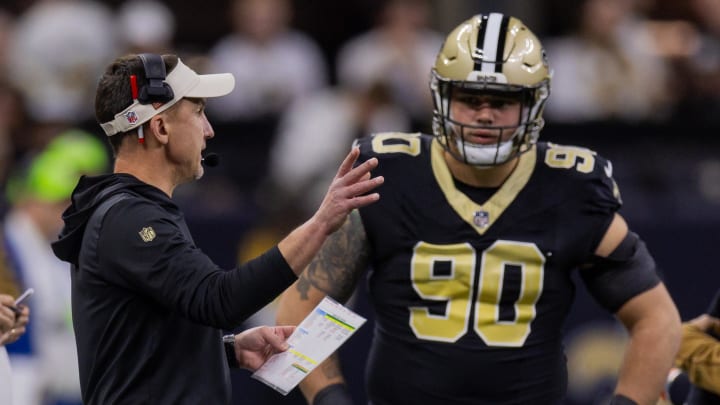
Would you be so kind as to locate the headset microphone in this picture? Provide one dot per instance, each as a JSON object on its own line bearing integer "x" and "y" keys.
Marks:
{"x": 211, "y": 159}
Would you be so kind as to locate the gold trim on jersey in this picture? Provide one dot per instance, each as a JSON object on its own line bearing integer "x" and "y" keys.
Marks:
{"x": 468, "y": 209}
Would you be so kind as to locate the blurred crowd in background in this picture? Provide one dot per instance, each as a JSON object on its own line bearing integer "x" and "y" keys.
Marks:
{"x": 636, "y": 80}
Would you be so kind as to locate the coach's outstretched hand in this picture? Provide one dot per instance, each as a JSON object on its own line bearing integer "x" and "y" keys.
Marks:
{"x": 349, "y": 190}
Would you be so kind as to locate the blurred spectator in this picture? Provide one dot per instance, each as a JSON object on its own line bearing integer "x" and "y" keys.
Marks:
{"x": 699, "y": 73}
{"x": 12, "y": 115}
{"x": 609, "y": 69}
{"x": 699, "y": 354}
{"x": 314, "y": 135}
{"x": 8, "y": 285}
{"x": 13, "y": 122}
{"x": 145, "y": 26}
{"x": 58, "y": 49}
{"x": 13, "y": 324}
{"x": 44, "y": 361}
{"x": 6, "y": 30}
{"x": 399, "y": 50}
{"x": 273, "y": 64}
{"x": 5, "y": 377}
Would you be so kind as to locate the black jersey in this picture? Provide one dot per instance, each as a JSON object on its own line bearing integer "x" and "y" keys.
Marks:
{"x": 471, "y": 287}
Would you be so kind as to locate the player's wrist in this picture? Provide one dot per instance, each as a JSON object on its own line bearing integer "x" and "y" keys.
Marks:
{"x": 335, "y": 394}
{"x": 620, "y": 399}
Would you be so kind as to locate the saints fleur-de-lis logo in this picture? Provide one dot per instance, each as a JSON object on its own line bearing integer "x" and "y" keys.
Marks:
{"x": 147, "y": 234}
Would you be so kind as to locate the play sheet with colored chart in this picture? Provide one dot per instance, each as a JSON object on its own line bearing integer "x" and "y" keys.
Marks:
{"x": 322, "y": 332}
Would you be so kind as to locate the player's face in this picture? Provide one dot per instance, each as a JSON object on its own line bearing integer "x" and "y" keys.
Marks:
{"x": 483, "y": 118}
{"x": 190, "y": 129}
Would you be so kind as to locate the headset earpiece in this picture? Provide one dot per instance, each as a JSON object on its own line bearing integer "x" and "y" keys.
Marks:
{"x": 155, "y": 90}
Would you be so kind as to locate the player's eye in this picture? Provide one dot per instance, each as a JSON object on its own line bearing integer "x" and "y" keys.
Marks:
{"x": 472, "y": 101}
{"x": 492, "y": 102}
{"x": 499, "y": 102}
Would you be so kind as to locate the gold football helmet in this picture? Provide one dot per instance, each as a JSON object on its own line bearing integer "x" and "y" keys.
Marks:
{"x": 494, "y": 54}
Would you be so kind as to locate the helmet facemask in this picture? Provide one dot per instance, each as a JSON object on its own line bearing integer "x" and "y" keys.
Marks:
{"x": 522, "y": 74}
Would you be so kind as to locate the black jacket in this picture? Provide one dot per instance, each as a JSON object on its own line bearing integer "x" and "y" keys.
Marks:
{"x": 148, "y": 306}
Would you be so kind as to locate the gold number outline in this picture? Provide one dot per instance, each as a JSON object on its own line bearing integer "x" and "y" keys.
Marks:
{"x": 410, "y": 144}
{"x": 567, "y": 157}
{"x": 458, "y": 287}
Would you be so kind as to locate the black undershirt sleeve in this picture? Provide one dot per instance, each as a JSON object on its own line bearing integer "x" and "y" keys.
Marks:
{"x": 628, "y": 271}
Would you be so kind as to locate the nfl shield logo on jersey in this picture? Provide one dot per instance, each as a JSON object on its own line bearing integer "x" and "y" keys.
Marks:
{"x": 481, "y": 219}
{"x": 147, "y": 234}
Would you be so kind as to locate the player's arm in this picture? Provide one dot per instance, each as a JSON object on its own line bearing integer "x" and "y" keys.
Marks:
{"x": 334, "y": 272}
{"x": 350, "y": 189}
{"x": 625, "y": 281}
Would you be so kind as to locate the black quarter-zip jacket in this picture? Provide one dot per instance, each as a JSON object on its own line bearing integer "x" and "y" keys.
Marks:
{"x": 148, "y": 305}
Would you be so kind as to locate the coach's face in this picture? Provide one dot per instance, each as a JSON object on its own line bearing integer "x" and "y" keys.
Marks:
{"x": 189, "y": 130}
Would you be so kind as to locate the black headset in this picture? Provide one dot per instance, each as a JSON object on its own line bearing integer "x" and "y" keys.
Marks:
{"x": 155, "y": 90}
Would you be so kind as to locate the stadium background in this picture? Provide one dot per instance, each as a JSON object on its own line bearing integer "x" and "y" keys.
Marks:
{"x": 668, "y": 171}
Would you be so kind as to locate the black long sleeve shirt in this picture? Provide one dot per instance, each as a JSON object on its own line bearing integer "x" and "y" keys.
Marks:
{"x": 148, "y": 305}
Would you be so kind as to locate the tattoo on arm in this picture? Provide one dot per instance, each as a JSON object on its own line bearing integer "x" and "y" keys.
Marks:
{"x": 340, "y": 263}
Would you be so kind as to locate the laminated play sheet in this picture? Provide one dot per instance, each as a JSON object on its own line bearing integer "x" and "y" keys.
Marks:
{"x": 322, "y": 332}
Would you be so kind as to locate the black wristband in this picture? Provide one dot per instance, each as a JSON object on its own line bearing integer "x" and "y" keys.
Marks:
{"x": 229, "y": 345}
{"x": 620, "y": 399}
{"x": 336, "y": 394}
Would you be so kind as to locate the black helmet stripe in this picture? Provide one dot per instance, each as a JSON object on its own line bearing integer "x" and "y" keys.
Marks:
{"x": 501, "y": 44}
{"x": 479, "y": 44}
{"x": 491, "y": 43}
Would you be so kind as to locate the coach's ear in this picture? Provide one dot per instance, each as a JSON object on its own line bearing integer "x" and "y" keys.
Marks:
{"x": 159, "y": 127}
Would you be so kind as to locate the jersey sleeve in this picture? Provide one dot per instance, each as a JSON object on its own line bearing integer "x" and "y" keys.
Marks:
{"x": 603, "y": 193}
{"x": 589, "y": 192}
{"x": 601, "y": 199}
{"x": 366, "y": 150}
{"x": 390, "y": 145}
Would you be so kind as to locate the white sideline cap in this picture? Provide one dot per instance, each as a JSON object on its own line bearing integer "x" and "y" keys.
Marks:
{"x": 184, "y": 83}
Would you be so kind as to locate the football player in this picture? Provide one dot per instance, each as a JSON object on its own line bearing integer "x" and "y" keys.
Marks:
{"x": 472, "y": 246}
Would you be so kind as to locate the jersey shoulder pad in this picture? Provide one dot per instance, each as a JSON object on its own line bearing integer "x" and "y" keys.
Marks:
{"x": 393, "y": 145}
{"x": 583, "y": 169}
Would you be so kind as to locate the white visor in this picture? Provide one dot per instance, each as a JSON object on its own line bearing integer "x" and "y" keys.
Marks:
{"x": 184, "y": 83}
